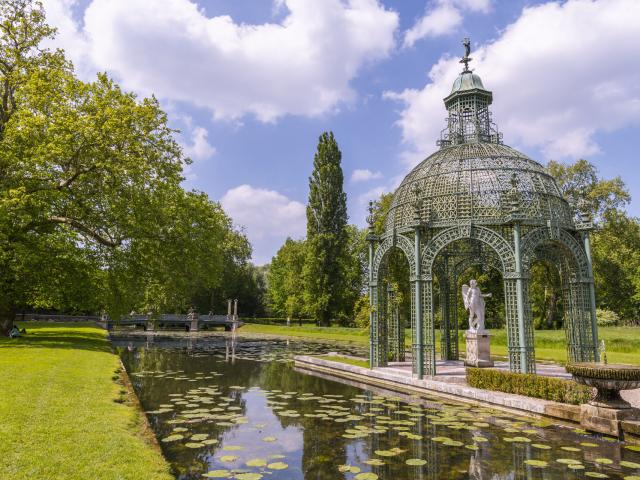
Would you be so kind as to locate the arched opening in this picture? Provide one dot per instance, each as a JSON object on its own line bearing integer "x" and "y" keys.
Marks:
{"x": 394, "y": 304}
{"x": 559, "y": 295}
{"x": 455, "y": 265}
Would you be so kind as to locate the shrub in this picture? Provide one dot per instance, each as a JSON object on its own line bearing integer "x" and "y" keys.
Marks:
{"x": 607, "y": 318}
{"x": 530, "y": 385}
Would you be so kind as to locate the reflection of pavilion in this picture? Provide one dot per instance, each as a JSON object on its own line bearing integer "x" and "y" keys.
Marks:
{"x": 475, "y": 202}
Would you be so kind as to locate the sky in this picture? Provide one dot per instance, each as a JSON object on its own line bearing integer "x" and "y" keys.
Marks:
{"x": 251, "y": 85}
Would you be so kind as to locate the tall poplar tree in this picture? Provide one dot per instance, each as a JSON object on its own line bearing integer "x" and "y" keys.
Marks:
{"x": 325, "y": 268}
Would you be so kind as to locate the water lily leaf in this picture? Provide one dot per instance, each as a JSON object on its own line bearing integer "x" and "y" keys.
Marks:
{"x": 627, "y": 464}
{"x": 231, "y": 448}
{"x": 596, "y": 475}
{"x": 576, "y": 466}
{"x": 228, "y": 458}
{"x": 200, "y": 436}
{"x": 570, "y": 449}
{"x": 376, "y": 462}
{"x": 348, "y": 468}
{"x": 536, "y": 463}
{"x": 541, "y": 446}
{"x": 248, "y": 476}
{"x": 210, "y": 441}
{"x": 277, "y": 466}
{"x": 632, "y": 477}
{"x": 588, "y": 444}
{"x": 218, "y": 474}
{"x": 269, "y": 439}
{"x": 366, "y": 476}
{"x": 633, "y": 448}
{"x": 416, "y": 462}
{"x": 194, "y": 445}
{"x": 256, "y": 462}
{"x": 604, "y": 461}
{"x": 172, "y": 438}
{"x": 386, "y": 453}
{"x": 568, "y": 461}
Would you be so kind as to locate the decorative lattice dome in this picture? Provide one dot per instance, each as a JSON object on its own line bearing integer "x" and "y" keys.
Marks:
{"x": 472, "y": 182}
{"x": 474, "y": 176}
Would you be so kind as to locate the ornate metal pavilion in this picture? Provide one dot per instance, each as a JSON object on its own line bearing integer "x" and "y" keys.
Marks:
{"x": 477, "y": 201}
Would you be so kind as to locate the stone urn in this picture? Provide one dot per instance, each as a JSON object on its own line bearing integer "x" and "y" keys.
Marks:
{"x": 606, "y": 412}
{"x": 608, "y": 380}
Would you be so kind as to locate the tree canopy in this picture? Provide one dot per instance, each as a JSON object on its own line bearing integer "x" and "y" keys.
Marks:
{"x": 92, "y": 212}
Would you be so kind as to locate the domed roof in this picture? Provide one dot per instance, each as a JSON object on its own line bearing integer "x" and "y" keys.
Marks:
{"x": 467, "y": 81}
{"x": 471, "y": 182}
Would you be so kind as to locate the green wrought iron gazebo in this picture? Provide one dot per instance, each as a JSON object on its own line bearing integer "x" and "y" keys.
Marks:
{"x": 477, "y": 201}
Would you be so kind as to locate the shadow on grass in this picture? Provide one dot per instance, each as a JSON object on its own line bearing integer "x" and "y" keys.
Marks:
{"x": 63, "y": 336}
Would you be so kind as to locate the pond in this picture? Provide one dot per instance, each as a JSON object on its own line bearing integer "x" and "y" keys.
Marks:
{"x": 239, "y": 410}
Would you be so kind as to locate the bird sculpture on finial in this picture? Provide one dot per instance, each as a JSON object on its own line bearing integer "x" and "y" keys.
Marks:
{"x": 467, "y": 51}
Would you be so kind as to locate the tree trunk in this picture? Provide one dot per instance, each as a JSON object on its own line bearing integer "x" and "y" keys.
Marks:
{"x": 7, "y": 314}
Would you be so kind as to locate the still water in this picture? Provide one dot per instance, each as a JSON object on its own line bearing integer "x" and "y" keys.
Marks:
{"x": 239, "y": 410}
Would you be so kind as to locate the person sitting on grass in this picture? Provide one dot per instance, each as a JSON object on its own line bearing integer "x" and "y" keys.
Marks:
{"x": 15, "y": 332}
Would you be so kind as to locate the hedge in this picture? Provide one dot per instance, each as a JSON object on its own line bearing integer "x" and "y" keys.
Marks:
{"x": 529, "y": 385}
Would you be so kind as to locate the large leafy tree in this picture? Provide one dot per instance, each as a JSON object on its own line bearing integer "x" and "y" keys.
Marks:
{"x": 92, "y": 214}
{"x": 327, "y": 238}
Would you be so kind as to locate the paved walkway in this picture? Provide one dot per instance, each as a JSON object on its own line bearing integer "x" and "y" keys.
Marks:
{"x": 453, "y": 371}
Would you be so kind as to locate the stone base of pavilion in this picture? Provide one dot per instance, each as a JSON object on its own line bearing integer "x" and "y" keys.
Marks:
{"x": 450, "y": 383}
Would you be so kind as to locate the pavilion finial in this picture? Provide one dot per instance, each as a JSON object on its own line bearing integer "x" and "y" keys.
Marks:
{"x": 371, "y": 216}
{"x": 467, "y": 51}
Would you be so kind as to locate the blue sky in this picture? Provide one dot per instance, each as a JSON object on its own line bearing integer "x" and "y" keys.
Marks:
{"x": 251, "y": 84}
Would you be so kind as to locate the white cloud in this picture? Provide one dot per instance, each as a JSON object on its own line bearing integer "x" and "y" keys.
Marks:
{"x": 300, "y": 66}
{"x": 560, "y": 74}
{"x": 268, "y": 216}
{"x": 442, "y": 17}
{"x": 364, "y": 175}
{"x": 199, "y": 148}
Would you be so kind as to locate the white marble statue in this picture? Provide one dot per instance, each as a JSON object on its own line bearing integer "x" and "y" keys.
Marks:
{"x": 474, "y": 302}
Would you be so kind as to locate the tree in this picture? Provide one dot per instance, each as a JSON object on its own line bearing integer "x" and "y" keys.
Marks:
{"x": 616, "y": 265}
{"x": 580, "y": 181}
{"x": 327, "y": 238}
{"x": 285, "y": 291}
{"x": 92, "y": 214}
{"x": 615, "y": 242}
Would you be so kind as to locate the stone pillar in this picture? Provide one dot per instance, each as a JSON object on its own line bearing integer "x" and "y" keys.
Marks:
{"x": 478, "y": 351}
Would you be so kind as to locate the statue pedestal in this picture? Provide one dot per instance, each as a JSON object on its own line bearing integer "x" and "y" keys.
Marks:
{"x": 478, "y": 353}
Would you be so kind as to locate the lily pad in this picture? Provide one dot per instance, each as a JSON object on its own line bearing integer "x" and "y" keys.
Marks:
{"x": 228, "y": 458}
{"x": 627, "y": 464}
{"x": 269, "y": 439}
{"x": 416, "y": 462}
{"x": 366, "y": 476}
{"x": 536, "y": 463}
{"x": 218, "y": 474}
{"x": 248, "y": 476}
{"x": 194, "y": 445}
{"x": 256, "y": 462}
{"x": 596, "y": 475}
{"x": 277, "y": 466}
{"x": 604, "y": 461}
{"x": 172, "y": 438}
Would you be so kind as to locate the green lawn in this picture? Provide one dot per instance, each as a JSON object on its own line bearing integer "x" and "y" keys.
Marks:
{"x": 622, "y": 343}
{"x": 59, "y": 418}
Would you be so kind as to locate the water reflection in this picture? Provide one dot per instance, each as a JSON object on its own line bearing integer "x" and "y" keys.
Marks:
{"x": 235, "y": 408}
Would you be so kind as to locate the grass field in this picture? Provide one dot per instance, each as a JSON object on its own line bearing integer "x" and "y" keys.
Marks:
{"x": 59, "y": 418}
{"x": 622, "y": 343}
